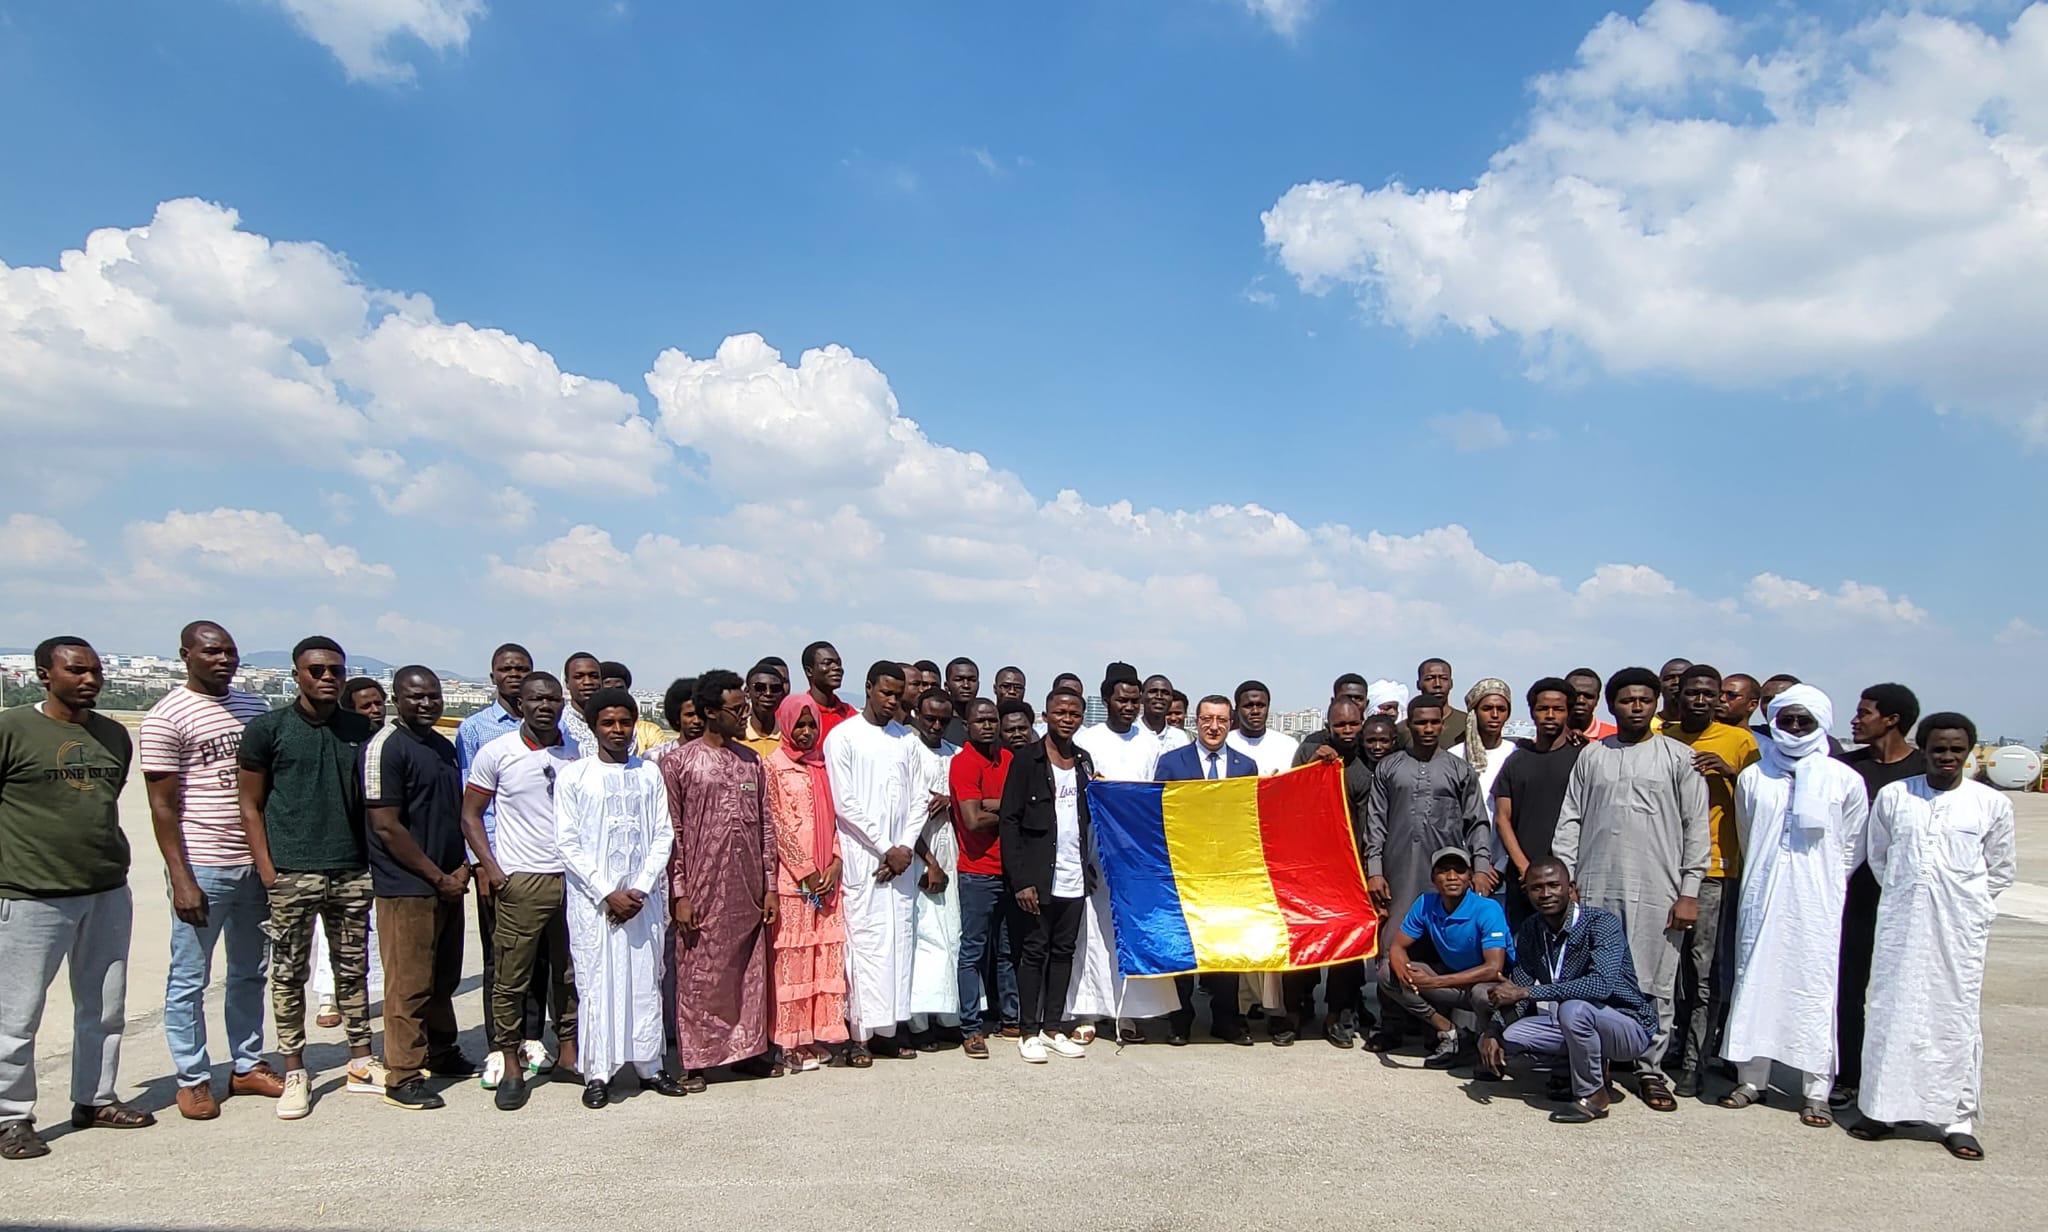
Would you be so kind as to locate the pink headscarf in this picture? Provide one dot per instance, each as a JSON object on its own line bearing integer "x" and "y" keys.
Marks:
{"x": 794, "y": 707}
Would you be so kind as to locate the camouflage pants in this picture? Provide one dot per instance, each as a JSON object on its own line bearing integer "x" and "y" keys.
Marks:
{"x": 342, "y": 901}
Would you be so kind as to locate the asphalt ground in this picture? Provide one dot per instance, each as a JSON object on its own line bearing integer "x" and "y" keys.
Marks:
{"x": 1209, "y": 1136}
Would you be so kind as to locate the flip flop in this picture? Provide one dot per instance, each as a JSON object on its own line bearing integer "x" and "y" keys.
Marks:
{"x": 1964, "y": 1147}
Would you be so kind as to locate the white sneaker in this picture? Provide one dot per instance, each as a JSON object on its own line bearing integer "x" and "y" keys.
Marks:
{"x": 535, "y": 1058}
{"x": 1032, "y": 1049}
{"x": 297, "y": 1099}
{"x": 1061, "y": 1046}
{"x": 367, "y": 1078}
{"x": 494, "y": 1071}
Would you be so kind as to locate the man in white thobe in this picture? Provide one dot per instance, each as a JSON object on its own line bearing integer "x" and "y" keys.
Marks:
{"x": 1942, "y": 849}
{"x": 868, "y": 763}
{"x": 1799, "y": 816}
{"x": 1125, "y": 750}
{"x": 613, "y": 828}
{"x": 935, "y": 911}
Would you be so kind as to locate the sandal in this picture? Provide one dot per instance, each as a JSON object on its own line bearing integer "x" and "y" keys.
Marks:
{"x": 18, "y": 1140}
{"x": 116, "y": 1115}
{"x": 1741, "y": 1097}
{"x": 1083, "y": 1034}
{"x": 1817, "y": 1116}
{"x": 1656, "y": 1092}
{"x": 760, "y": 1067}
{"x": 857, "y": 1056}
{"x": 328, "y": 1017}
{"x": 1964, "y": 1147}
{"x": 1872, "y": 1131}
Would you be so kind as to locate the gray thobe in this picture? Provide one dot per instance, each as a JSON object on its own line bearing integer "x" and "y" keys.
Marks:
{"x": 1634, "y": 832}
{"x": 1413, "y": 809}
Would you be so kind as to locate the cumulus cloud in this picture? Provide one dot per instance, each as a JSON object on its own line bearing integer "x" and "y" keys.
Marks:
{"x": 246, "y": 544}
{"x": 365, "y": 34}
{"x": 452, "y": 495}
{"x": 192, "y": 335}
{"x": 31, "y": 541}
{"x": 1744, "y": 205}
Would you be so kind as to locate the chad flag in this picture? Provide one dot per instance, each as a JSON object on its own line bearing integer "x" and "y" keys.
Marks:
{"x": 1247, "y": 874}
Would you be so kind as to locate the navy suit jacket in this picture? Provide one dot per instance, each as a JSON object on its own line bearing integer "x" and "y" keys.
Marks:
{"x": 1189, "y": 762}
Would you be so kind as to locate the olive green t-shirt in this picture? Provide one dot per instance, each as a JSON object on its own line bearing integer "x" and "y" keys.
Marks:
{"x": 314, "y": 815}
{"x": 60, "y": 805}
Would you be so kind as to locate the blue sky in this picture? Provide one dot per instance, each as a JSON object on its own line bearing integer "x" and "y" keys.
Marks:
{"x": 1696, "y": 367}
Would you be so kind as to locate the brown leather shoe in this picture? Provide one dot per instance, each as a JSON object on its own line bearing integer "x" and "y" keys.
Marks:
{"x": 262, "y": 1080}
{"x": 196, "y": 1103}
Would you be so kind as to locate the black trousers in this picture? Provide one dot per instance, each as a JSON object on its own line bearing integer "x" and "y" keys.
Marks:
{"x": 1224, "y": 1018}
{"x": 1859, "y": 938}
{"x": 1044, "y": 949}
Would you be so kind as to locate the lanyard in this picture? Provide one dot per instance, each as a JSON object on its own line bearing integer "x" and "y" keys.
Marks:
{"x": 1555, "y": 959}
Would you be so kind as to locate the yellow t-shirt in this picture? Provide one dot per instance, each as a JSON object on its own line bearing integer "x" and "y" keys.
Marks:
{"x": 1738, "y": 748}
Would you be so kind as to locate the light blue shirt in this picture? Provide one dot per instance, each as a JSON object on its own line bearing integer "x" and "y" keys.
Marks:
{"x": 477, "y": 731}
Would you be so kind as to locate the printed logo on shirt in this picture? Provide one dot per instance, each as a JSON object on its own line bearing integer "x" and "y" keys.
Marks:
{"x": 73, "y": 772}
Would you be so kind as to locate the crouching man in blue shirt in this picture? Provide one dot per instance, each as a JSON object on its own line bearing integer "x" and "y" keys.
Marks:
{"x": 1469, "y": 933}
{"x": 1572, "y": 995}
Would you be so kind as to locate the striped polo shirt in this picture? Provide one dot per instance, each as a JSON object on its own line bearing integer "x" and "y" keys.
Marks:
{"x": 194, "y": 736}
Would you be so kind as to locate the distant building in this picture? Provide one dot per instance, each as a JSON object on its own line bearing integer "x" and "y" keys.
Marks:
{"x": 1093, "y": 711}
{"x": 1296, "y": 722}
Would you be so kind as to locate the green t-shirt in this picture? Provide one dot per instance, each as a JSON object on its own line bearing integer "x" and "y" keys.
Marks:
{"x": 60, "y": 805}
{"x": 314, "y": 814}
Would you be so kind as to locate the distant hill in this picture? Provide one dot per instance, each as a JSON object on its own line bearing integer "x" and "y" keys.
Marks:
{"x": 281, "y": 660}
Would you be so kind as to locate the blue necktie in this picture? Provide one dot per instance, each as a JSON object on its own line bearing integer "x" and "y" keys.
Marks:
{"x": 1212, "y": 764}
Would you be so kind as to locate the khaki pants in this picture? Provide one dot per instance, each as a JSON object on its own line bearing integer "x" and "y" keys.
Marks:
{"x": 420, "y": 940}
{"x": 531, "y": 922}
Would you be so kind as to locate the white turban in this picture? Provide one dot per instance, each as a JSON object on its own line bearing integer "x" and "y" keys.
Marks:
{"x": 1381, "y": 692}
{"x": 1798, "y": 756}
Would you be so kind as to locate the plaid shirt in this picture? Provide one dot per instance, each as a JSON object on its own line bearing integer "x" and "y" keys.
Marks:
{"x": 1591, "y": 960}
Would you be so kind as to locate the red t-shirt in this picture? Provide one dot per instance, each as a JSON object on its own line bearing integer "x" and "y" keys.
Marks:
{"x": 830, "y": 717}
{"x": 974, "y": 777}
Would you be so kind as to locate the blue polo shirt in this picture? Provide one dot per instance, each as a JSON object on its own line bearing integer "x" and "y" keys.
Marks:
{"x": 1459, "y": 936}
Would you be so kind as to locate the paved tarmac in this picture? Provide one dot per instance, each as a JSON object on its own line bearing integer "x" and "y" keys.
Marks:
{"x": 1204, "y": 1137}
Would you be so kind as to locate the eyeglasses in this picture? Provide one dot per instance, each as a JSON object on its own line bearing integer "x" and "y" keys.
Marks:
{"x": 320, "y": 671}
{"x": 738, "y": 712}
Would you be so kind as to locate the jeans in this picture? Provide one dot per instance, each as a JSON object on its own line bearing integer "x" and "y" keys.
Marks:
{"x": 237, "y": 908}
{"x": 1590, "y": 1037}
{"x": 982, "y": 934}
{"x": 1423, "y": 1002}
{"x": 1702, "y": 979}
{"x": 89, "y": 933}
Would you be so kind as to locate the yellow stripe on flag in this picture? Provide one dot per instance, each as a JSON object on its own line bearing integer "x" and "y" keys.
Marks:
{"x": 1219, "y": 865}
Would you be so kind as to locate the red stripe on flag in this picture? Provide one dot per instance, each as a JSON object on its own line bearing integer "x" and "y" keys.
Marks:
{"x": 1305, "y": 826}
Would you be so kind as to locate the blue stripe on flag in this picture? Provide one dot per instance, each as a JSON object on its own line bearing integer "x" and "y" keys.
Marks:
{"x": 1130, "y": 835}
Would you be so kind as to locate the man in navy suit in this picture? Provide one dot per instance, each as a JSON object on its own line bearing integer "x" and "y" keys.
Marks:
{"x": 1208, "y": 758}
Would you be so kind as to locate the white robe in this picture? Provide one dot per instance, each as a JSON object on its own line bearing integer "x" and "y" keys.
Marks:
{"x": 612, "y": 824}
{"x": 1131, "y": 756}
{"x": 1788, "y": 924}
{"x": 870, "y": 771}
{"x": 1941, "y": 859}
{"x": 934, "y": 918}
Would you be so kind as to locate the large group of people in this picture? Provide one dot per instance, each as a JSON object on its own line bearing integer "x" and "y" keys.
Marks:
{"x": 775, "y": 880}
